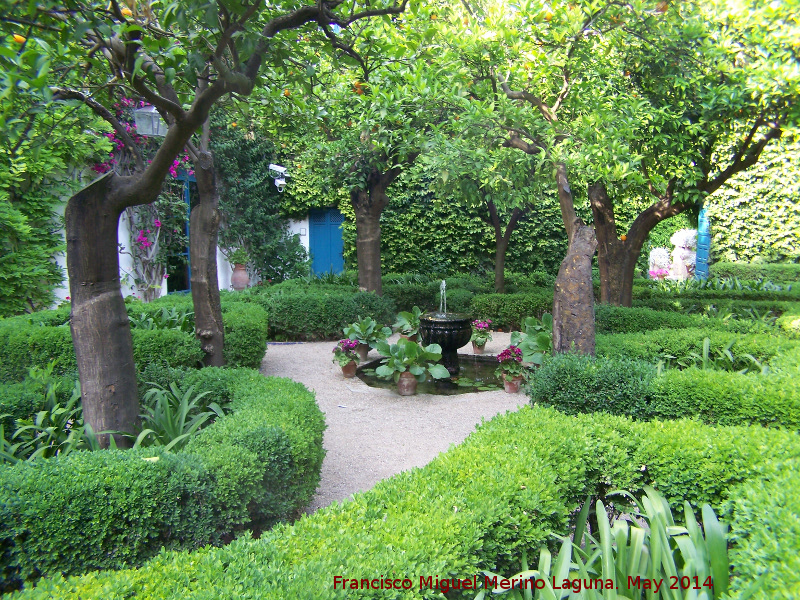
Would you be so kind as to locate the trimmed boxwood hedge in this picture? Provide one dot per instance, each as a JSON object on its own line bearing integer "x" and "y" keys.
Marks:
{"x": 582, "y": 384}
{"x": 112, "y": 509}
{"x": 509, "y": 310}
{"x": 480, "y": 504}
{"x": 618, "y": 319}
{"x": 777, "y": 273}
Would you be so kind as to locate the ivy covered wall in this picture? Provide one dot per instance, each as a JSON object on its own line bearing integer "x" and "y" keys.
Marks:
{"x": 757, "y": 217}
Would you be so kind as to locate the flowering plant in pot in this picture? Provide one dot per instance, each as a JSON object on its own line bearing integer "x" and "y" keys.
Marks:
{"x": 407, "y": 323}
{"x": 345, "y": 354}
{"x": 511, "y": 368}
{"x": 481, "y": 333}
{"x": 407, "y": 363}
{"x": 367, "y": 333}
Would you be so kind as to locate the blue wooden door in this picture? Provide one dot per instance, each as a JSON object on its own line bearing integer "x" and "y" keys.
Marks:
{"x": 703, "y": 245}
{"x": 325, "y": 241}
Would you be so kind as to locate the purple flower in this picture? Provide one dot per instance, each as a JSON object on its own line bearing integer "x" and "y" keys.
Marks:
{"x": 157, "y": 223}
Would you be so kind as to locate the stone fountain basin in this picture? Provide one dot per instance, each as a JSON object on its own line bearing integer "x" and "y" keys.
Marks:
{"x": 450, "y": 330}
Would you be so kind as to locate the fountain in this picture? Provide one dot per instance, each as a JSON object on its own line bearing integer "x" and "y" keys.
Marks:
{"x": 450, "y": 330}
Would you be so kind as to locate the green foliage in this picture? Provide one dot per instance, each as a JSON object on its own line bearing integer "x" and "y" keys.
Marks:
{"x": 367, "y": 331}
{"x": 112, "y": 509}
{"x": 624, "y": 553}
{"x": 407, "y": 322}
{"x": 579, "y": 384}
{"x": 250, "y": 202}
{"x": 172, "y": 416}
{"x": 408, "y": 295}
{"x": 245, "y": 334}
{"x": 753, "y": 271}
{"x": 755, "y": 218}
{"x": 510, "y": 310}
{"x": 319, "y": 312}
{"x": 536, "y": 339}
{"x": 618, "y": 319}
{"x": 409, "y": 356}
{"x": 176, "y": 318}
{"x": 478, "y": 506}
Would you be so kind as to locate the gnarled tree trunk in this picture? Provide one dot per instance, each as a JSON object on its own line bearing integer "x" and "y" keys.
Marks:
{"x": 573, "y": 296}
{"x": 615, "y": 258}
{"x": 203, "y": 228}
{"x": 99, "y": 322}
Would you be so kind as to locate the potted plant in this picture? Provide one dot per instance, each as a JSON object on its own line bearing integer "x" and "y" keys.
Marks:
{"x": 481, "y": 333}
{"x": 345, "y": 354}
{"x": 511, "y": 369}
{"x": 407, "y": 324}
{"x": 240, "y": 280}
{"x": 407, "y": 363}
{"x": 367, "y": 333}
{"x": 536, "y": 341}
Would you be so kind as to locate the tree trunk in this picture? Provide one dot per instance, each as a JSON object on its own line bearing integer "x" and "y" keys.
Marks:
{"x": 615, "y": 258}
{"x": 573, "y": 299}
{"x": 573, "y": 296}
{"x": 368, "y": 239}
{"x": 99, "y": 322}
{"x": 501, "y": 241}
{"x": 203, "y": 227}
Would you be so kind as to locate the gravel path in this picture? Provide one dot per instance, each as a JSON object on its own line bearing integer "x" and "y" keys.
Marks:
{"x": 373, "y": 433}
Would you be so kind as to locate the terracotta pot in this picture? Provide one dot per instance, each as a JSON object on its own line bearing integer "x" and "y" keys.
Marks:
{"x": 349, "y": 370}
{"x": 407, "y": 384}
{"x": 240, "y": 280}
{"x": 362, "y": 350}
{"x": 511, "y": 384}
{"x": 412, "y": 338}
{"x": 476, "y": 349}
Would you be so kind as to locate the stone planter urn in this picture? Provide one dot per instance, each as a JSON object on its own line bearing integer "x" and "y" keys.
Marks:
{"x": 240, "y": 280}
{"x": 349, "y": 370}
{"x": 407, "y": 384}
{"x": 512, "y": 384}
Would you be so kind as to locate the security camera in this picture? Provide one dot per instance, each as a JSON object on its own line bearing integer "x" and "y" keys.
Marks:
{"x": 280, "y": 183}
{"x": 276, "y": 171}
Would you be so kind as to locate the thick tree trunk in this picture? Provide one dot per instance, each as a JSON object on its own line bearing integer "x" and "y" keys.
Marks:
{"x": 99, "y": 322}
{"x": 368, "y": 209}
{"x": 573, "y": 299}
{"x": 501, "y": 241}
{"x": 615, "y": 258}
{"x": 203, "y": 228}
{"x": 573, "y": 296}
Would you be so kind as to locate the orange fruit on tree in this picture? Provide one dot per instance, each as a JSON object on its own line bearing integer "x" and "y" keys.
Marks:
{"x": 287, "y": 93}
{"x": 623, "y": 237}
{"x": 20, "y": 39}
{"x": 127, "y": 12}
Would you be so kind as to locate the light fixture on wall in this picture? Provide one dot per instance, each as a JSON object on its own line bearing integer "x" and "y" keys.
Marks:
{"x": 279, "y": 174}
{"x": 149, "y": 122}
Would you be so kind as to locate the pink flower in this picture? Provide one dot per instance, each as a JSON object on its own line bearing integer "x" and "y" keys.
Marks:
{"x": 157, "y": 223}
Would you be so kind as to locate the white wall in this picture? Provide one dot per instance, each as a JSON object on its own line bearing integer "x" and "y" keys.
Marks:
{"x": 301, "y": 229}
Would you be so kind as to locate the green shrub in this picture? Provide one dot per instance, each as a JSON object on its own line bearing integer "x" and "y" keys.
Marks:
{"x": 618, "y": 319}
{"x": 169, "y": 346}
{"x": 479, "y": 505}
{"x": 245, "y": 334}
{"x": 102, "y": 510}
{"x": 408, "y": 295}
{"x": 776, "y": 273}
{"x": 310, "y": 315}
{"x": 789, "y": 322}
{"x": 582, "y": 384}
{"x": 459, "y": 301}
{"x": 509, "y": 310}
{"x": 23, "y": 346}
{"x": 531, "y": 281}
{"x": 19, "y": 401}
{"x": 650, "y": 345}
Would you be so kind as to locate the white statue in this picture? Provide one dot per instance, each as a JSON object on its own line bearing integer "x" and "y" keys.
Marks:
{"x": 684, "y": 255}
{"x": 659, "y": 263}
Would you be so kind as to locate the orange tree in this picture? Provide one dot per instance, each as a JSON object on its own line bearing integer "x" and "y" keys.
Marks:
{"x": 182, "y": 58}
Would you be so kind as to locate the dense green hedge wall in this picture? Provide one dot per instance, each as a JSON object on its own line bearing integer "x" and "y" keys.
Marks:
{"x": 618, "y": 319}
{"x": 318, "y": 312}
{"x": 776, "y": 273}
{"x": 778, "y": 307}
{"x": 245, "y": 334}
{"x": 509, "y": 310}
{"x": 643, "y": 291}
{"x": 681, "y": 342}
{"x": 480, "y": 504}
{"x": 23, "y": 346}
{"x": 756, "y": 215}
{"x": 621, "y": 386}
{"x": 112, "y": 509}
